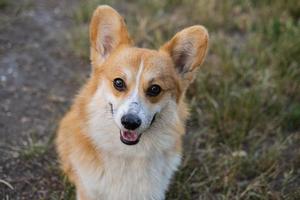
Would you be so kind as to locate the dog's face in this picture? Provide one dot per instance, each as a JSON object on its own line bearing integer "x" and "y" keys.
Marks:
{"x": 141, "y": 87}
{"x": 140, "y": 84}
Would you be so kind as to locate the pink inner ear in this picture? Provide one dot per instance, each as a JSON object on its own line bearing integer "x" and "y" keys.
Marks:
{"x": 182, "y": 55}
{"x": 180, "y": 59}
{"x": 107, "y": 45}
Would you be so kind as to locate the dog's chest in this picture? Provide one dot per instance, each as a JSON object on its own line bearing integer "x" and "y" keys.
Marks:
{"x": 131, "y": 178}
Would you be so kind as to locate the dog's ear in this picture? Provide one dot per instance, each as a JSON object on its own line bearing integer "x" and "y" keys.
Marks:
{"x": 107, "y": 32}
{"x": 187, "y": 49}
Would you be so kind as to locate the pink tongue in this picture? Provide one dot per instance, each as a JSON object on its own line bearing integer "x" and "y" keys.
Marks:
{"x": 130, "y": 135}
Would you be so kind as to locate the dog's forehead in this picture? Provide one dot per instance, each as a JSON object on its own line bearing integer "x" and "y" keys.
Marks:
{"x": 130, "y": 60}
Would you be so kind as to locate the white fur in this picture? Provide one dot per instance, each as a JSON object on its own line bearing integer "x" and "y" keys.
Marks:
{"x": 129, "y": 178}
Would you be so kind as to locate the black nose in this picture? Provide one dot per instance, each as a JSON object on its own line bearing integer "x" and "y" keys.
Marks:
{"x": 130, "y": 121}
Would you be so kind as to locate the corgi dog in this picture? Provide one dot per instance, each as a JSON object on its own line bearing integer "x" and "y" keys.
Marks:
{"x": 122, "y": 137}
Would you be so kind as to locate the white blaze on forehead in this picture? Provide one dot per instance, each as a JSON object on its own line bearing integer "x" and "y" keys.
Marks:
{"x": 138, "y": 78}
{"x": 133, "y": 103}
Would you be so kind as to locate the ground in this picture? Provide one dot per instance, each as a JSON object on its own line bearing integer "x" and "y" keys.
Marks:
{"x": 39, "y": 77}
{"x": 243, "y": 139}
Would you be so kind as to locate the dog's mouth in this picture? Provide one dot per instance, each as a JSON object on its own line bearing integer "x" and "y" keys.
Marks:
{"x": 130, "y": 137}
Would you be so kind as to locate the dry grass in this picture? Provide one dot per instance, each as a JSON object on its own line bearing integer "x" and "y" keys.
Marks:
{"x": 244, "y": 140}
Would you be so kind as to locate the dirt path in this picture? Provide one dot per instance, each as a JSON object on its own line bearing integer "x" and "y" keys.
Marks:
{"x": 38, "y": 77}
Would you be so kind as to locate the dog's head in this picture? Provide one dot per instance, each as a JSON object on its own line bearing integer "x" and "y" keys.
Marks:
{"x": 139, "y": 88}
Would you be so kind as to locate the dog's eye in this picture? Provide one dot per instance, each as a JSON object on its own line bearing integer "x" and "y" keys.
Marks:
{"x": 119, "y": 84}
{"x": 153, "y": 90}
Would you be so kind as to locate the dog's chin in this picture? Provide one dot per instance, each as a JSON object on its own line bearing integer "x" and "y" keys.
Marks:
{"x": 130, "y": 137}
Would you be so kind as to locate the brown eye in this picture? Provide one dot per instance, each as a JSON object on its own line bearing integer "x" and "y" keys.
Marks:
{"x": 153, "y": 90}
{"x": 119, "y": 84}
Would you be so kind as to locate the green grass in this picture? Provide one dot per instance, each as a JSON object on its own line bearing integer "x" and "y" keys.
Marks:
{"x": 3, "y": 4}
{"x": 33, "y": 148}
{"x": 66, "y": 194}
{"x": 244, "y": 142}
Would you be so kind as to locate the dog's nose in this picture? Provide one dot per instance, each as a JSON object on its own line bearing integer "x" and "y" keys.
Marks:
{"x": 131, "y": 121}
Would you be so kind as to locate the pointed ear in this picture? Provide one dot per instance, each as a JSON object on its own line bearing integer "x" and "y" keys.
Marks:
{"x": 187, "y": 49}
{"x": 107, "y": 32}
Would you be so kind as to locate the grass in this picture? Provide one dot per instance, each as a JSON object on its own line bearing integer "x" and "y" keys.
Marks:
{"x": 33, "y": 148}
{"x": 3, "y": 4}
{"x": 244, "y": 138}
{"x": 68, "y": 192}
